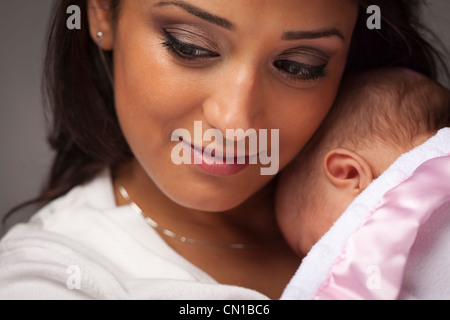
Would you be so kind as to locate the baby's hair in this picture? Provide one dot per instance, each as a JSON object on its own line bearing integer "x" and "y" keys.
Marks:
{"x": 389, "y": 106}
{"x": 392, "y": 106}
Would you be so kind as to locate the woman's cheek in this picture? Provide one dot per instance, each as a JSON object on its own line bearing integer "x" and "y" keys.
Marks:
{"x": 310, "y": 108}
{"x": 300, "y": 119}
{"x": 139, "y": 92}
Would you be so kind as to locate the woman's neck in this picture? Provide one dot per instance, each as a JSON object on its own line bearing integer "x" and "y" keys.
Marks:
{"x": 250, "y": 222}
{"x": 265, "y": 267}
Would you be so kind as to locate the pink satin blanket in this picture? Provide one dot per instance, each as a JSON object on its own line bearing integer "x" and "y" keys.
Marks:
{"x": 372, "y": 263}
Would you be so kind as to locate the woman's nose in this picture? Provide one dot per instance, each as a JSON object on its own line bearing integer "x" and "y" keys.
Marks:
{"x": 236, "y": 100}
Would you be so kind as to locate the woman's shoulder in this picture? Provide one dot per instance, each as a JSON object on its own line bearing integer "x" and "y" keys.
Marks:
{"x": 82, "y": 246}
{"x": 50, "y": 255}
{"x": 93, "y": 196}
{"x": 38, "y": 264}
{"x": 72, "y": 216}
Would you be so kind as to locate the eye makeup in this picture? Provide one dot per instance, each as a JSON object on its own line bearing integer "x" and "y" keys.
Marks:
{"x": 301, "y": 64}
{"x": 196, "y": 47}
{"x": 185, "y": 49}
{"x": 296, "y": 72}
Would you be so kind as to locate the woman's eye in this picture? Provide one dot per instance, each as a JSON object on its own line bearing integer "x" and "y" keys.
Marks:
{"x": 299, "y": 71}
{"x": 185, "y": 50}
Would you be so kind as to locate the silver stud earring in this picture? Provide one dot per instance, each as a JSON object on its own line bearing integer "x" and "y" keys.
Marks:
{"x": 102, "y": 56}
{"x": 99, "y": 37}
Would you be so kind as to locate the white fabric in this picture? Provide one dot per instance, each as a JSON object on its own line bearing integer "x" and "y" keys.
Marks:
{"x": 82, "y": 246}
{"x": 427, "y": 273}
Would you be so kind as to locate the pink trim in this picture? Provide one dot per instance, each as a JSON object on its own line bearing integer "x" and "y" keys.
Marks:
{"x": 372, "y": 263}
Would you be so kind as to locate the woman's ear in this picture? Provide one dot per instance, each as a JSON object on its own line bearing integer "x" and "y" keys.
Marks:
{"x": 347, "y": 170}
{"x": 100, "y": 16}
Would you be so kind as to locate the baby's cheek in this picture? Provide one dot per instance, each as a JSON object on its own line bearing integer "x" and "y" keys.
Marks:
{"x": 289, "y": 222}
{"x": 288, "y": 215}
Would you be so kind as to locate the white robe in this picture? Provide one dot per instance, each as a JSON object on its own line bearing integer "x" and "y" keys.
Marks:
{"x": 82, "y": 246}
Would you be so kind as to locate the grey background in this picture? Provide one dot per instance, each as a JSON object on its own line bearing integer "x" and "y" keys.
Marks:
{"x": 24, "y": 155}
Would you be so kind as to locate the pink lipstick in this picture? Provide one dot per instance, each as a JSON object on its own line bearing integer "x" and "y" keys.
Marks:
{"x": 207, "y": 161}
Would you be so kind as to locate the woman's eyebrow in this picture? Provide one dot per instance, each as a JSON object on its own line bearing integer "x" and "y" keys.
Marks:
{"x": 221, "y": 22}
{"x": 225, "y": 23}
{"x": 300, "y": 35}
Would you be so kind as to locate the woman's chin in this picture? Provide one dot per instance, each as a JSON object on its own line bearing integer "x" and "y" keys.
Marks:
{"x": 207, "y": 200}
{"x": 189, "y": 187}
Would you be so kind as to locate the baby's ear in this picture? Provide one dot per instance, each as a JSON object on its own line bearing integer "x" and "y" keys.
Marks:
{"x": 347, "y": 170}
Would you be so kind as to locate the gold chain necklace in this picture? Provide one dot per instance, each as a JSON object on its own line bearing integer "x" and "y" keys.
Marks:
{"x": 152, "y": 223}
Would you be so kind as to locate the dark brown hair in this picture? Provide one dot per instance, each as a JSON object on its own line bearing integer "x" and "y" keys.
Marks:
{"x": 84, "y": 131}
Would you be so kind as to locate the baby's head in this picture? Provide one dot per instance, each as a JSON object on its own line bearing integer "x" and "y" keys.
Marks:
{"x": 378, "y": 115}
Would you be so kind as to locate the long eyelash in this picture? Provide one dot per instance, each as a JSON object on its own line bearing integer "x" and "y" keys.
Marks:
{"x": 170, "y": 45}
{"x": 307, "y": 78}
{"x": 176, "y": 46}
{"x": 310, "y": 73}
{"x": 313, "y": 73}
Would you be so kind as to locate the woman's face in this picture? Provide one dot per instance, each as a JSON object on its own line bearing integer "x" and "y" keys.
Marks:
{"x": 235, "y": 64}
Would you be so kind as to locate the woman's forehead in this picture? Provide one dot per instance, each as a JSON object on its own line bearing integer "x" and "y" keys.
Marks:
{"x": 263, "y": 15}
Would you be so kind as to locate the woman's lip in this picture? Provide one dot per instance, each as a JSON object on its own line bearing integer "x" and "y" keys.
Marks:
{"x": 218, "y": 153}
{"x": 209, "y": 165}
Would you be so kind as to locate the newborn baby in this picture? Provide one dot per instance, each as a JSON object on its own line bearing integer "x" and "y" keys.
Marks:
{"x": 378, "y": 116}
